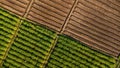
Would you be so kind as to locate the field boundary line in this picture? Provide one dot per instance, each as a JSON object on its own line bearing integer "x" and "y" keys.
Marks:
{"x": 28, "y": 8}
{"x": 50, "y": 52}
{"x": 16, "y": 32}
{"x": 68, "y": 16}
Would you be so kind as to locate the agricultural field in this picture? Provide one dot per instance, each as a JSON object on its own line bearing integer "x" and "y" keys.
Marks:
{"x": 73, "y": 54}
{"x": 30, "y": 48}
{"x": 18, "y": 8}
{"x": 8, "y": 26}
{"x": 95, "y": 23}
{"x": 54, "y": 17}
{"x": 59, "y": 34}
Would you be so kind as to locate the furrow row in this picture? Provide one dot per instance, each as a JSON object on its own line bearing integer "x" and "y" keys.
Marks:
{"x": 16, "y": 6}
{"x": 50, "y": 13}
{"x": 97, "y": 23}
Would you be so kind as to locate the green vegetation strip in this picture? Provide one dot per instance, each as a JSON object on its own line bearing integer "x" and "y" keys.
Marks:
{"x": 27, "y": 45}
{"x": 49, "y": 53}
{"x": 8, "y": 27}
{"x": 72, "y": 54}
{"x": 118, "y": 62}
{"x": 30, "y": 46}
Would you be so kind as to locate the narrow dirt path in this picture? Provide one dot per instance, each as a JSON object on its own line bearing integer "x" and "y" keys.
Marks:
{"x": 68, "y": 17}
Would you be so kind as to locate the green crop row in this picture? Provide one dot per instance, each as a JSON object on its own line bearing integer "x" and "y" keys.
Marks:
{"x": 41, "y": 30}
{"x": 96, "y": 54}
{"x": 12, "y": 17}
{"x": 30, "y": 47}
{"x": 87, "y": 53}
{"x": 69, "y": 53}
{"x": 8, "y": 24}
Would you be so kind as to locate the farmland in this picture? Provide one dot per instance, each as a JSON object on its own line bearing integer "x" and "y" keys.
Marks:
{"x": 59, "y": 34}
{"x": 69, "y": 53}
{"x": 95, "y": 26}
{"x": 19, "y": 8}
{"x": 87, "y": 21}
{"x": 8, "y": 23}
{"x": 54, "y": 17}
{"x": 30, "y": 47}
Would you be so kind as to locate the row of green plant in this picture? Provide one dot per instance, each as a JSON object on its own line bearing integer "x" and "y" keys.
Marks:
{"x": 9, "y": 16}
{"x": 118, "y": 62}
{"x": 8, "y": 24}
{"x": 69, "y": 53}
{"x": 86, "y": 48}
{"x": 88, "y": 51}
{"x": 31, "y": 46}
{"x": 20, "y": 58}
{"x": 41, "y": 29}
{"x": 32, "y": 36}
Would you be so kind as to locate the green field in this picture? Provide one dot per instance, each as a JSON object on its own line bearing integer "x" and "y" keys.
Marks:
{"x": 30, "y": 47}
{"x": 69, "y": 53}
{"x": 24, "y": 44}
{"x": 8, "y": 25}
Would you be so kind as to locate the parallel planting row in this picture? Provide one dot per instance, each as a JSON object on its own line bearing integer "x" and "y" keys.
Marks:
{"x": 16, "y": 6}
{"x": 30, "y": 47}
{"x": 96, "y": 24}
{"x": 72, "y": 54}
{"x": 8, "y": 24}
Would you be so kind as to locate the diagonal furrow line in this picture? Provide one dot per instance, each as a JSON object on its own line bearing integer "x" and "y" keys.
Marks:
{"x": 68, "y": 17}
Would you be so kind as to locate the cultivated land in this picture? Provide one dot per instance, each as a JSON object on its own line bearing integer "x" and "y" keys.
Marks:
{"x": 50, "y": 13}
{"x": 30, "y": 47}
{"x": 8, "y": 26}
{"x": 17, "y": 6}
{"x": 97, "y": 22}
{"x": 37, "y": 36}
{"x": 91, "y": 22}
{"x": 70, "y": 53}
